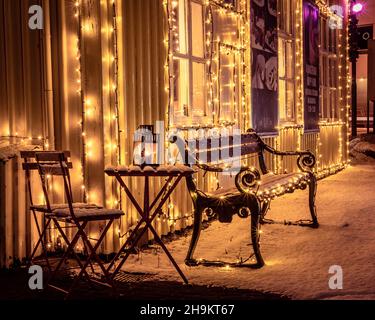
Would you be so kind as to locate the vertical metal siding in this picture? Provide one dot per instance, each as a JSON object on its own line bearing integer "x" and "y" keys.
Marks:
{"x": 142, "y": 55}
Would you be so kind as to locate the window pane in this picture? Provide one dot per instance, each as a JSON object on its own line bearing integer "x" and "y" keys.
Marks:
{"x": 288, "y": 13}
{"x": 321, "y": 70}
{"x": 282, "y": 99}
{"x": 333, "y": 103}
{"x": 324, "y": 35}
{"x": 197, "y": 33}
{"x": 285, "y": 19}
{"x": 199, "y": 95}
{"x": 179, "y": 32}
{"x": 326, "y": 103}
{"x": 325, "y": 71}
{"x": 289, "y": 59}
{"x": 181, "y": 87}
{"x": 332, "y": 73}
{"x": 227, "y": 63}
{"x": 282, "y": 58}
{"x": 290, "y": 100}
{"x": 281, "y": 18}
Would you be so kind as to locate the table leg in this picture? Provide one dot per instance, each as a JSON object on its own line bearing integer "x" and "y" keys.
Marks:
{"x": 146, "y": 199}
{"x": 148, "y": 221}
{"x": 140, "y": 211}
{"x": 162, "y": 190}
{"x": 157, "y": 238}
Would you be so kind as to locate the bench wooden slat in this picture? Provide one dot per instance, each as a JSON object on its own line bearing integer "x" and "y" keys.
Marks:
{"x": 34, "y": 165}
{"x": 221, "y": 149}
{"x": 30, "y": 154}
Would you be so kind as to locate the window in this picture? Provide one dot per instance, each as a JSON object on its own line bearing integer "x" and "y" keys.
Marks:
{"x": 189, "y": 64}
{"x": 229, "y": 84}
{"x": 329, "y": 71}
{"x": 286, "y": 59}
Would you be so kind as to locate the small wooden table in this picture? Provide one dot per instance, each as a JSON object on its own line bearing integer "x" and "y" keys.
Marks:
{"x": 150, "y": 210}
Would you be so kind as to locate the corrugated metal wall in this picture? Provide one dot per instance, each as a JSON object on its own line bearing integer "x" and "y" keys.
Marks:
{"x": 142, "y": 29}
{"x": 23, "y": 114}
{"x": 142, "y": 94}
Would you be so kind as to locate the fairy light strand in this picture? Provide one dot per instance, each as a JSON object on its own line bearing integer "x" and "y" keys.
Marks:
{"x": 116, "y": 96}
{"x": 79, "y": 78}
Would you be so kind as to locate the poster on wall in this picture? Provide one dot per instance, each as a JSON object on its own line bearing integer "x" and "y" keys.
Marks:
{"x": 311, "y": 66}
{"x": 264, "y": 72}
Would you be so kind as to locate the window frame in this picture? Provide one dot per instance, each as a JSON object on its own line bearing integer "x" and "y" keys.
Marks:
{"x": 329, "y": 71}
{"x": 284, "y": 36}
{"x": 181, "y": 120}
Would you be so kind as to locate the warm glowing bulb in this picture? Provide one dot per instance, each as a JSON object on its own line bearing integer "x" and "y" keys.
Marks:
{"x": 357, "y": 7}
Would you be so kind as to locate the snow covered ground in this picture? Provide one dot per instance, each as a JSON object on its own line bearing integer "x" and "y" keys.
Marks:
{"x": 297, "y": 258}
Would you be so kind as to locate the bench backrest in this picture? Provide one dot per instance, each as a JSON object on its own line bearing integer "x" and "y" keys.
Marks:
{"x": 222, "y": 149}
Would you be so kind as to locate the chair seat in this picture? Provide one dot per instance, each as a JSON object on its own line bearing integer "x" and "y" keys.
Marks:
{"x": 88, "y": 214}
{"x": 269, "y": 183}
{"x": 43, "y": 207}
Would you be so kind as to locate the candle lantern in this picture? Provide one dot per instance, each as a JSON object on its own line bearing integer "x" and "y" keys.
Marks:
{"x": 145, "y": 147}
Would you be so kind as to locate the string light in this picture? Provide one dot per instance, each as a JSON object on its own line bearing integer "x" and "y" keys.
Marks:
{"x": 79, "y": 90}
{"x": 39, "y": 140}
{"x": 116, "y": 146}
{"x": 299, "y": 62}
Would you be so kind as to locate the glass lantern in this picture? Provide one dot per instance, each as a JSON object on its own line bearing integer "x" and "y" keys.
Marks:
{"x": 145, "y": 147}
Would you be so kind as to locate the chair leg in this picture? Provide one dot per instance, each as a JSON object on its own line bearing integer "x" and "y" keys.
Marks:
{"x": 40, "y": 241}
{"x": 189, "y": 260}
{"x": 64, "y": 236}
{"x": 93, "y": 255}
{"x": 71, "y": 246}
{"x": 312, "y": 193}
{"x": 255, "y": 236}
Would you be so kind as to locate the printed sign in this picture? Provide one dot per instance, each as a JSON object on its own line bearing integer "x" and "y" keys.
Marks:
{"x": 311, "y": 66}
{"x": 264, "y": 69}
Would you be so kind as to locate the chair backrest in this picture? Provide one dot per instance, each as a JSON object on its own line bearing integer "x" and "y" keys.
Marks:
{"x": 30, "y": 164}
{"x": 55, "y": 164}
{"x": 221, "y": 149}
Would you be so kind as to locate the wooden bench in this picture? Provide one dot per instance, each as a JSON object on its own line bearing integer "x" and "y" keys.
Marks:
{"x": 253, "y": 189}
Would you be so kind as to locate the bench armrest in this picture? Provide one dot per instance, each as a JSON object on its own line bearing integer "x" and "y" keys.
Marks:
{"x": 246, "y": 177}
{"x": 305, "y": 161}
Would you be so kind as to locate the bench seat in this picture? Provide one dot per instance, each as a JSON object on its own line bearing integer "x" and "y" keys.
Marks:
{"x": 270, "y": 185}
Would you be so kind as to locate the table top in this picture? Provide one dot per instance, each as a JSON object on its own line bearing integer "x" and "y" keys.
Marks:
{"x": 160, "y": 171}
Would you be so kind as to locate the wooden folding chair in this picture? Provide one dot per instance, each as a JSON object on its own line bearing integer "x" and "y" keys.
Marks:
{"x": 55, "y": 164}
{"x": 46, "y": 210}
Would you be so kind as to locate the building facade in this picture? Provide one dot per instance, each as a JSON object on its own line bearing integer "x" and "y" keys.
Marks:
{"x": 99, "y": 69}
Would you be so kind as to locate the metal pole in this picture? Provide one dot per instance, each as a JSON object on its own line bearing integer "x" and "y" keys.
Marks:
{"x": 368, "y": 116}
{"x": 354, "y": 97}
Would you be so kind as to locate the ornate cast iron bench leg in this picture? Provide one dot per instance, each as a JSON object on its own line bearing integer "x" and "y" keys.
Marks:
{"x": 312, "y": 193}
{"x": 313, "y": 223}
{"x": 255, "y": 209}
{"x": 190, "y": 261}
{"x": 255, "y": 236}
